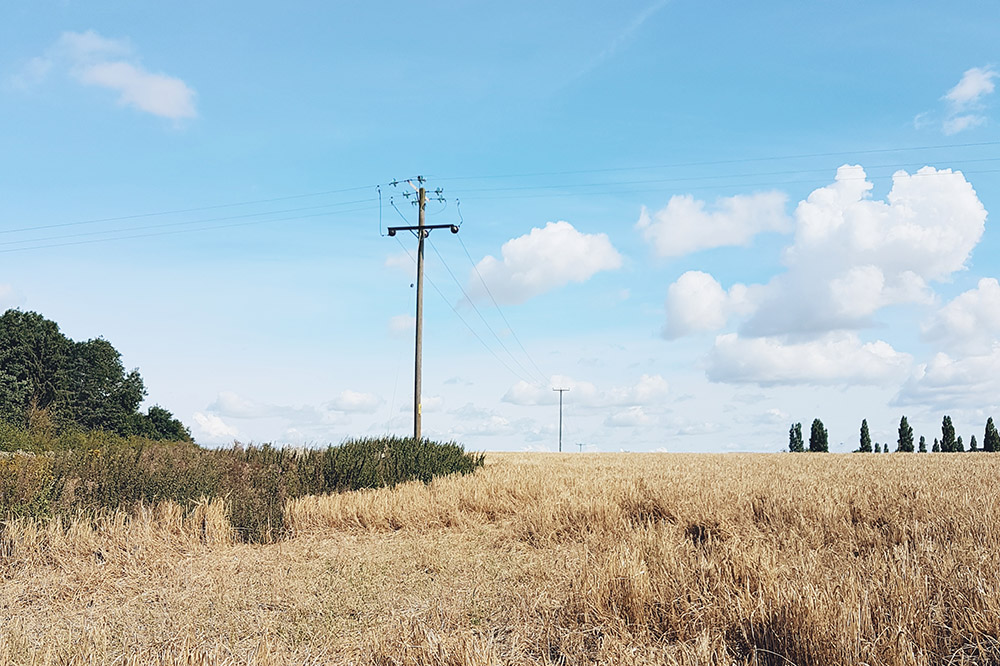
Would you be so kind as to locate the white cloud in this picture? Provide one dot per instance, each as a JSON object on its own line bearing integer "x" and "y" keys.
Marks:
{"x": 159, "y": 94}
{"x": 697, "y": 302}
{"x": 648, "y": 391}
{"x": 835, "y": 359}
{"x": 853, "y": 255}
{"x": 950, "y": 383}
{"x": 353, "y": 401}
{"x": 630, "y": 417}
{"x": 685, "y": 226}
{"x": 212, "y": 427}
{"x": 965, "y": 101}
{"x": 971, "y": 322}
{"x": 94, "y": 60}
{"x": 233, "y": 405}
{"x": 976, "y": 83}
{"x": 542, "y": 260}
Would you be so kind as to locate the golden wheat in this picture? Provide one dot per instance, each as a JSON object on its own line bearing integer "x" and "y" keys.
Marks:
{"x": 592, "y": 558}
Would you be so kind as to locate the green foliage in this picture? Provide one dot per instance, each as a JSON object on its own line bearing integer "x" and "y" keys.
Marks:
{"x": 923, "y": 445}
{"x": 818, "y": 438}
{"x": 866, "y": 439}
{"x": 795, "y": 443}
{"x": 959, "y": 447}
{"x": 991, "y": 438}
{"x": 878, "y": 448}
{"x": 69, "y": 473}
{"x": 937, "y": 447}
{"x": 973, "y": 446}
{"x": 905, "y": 442}
{"x": 948, "y": 443}
{"x": 49, "y": 382}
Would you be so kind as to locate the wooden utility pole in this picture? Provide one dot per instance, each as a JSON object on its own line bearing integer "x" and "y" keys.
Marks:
{"x": 419, "y": 346}
{"x": 561, "y": 391}
{"x": 421, "y": 231}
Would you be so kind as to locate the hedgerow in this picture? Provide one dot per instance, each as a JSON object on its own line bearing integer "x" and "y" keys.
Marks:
{"x": 45, "y": 475}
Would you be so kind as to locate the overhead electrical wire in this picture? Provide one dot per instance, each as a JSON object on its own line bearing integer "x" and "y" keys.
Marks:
{"x": 773, "y": 158}
{"x": 183, "y": 231}
{"x": 478, "y": 312}
{"x": 500, "y": 311}
{"x": 461, "y": 318}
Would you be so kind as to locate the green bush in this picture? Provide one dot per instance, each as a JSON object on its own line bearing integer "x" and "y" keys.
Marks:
{"x": 44, "y": 475}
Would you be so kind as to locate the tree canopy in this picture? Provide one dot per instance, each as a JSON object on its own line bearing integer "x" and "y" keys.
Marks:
{"x": 48, "y": 379}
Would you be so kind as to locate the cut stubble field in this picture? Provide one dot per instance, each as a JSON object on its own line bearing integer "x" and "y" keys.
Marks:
{"x": 540, "y": 558}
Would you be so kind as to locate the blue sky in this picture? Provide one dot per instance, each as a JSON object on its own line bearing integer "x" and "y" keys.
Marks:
{"x": 708, "y": 220}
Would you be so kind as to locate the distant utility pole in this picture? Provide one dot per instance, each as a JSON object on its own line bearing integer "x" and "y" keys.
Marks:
{"x": 561, "y": 391}
{"x": 421, "y": 231}
{"x": 580, "y": 444}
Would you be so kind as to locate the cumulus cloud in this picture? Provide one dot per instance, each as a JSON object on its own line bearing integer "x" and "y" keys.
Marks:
{"x": 233, "y": 405}
{"x": 687, "y": 224}
{"x": 954, "y": 383}
{"x": 697, "y": 302}
{"x": 94, "y": 60}
{"x": 970, "y": 323}
{"x": 834, "y": 359}
{"x": 542, "y": 260}
{"x": 853, "y": 255}
{"x": 647, "y": 391}
{"x": 212, "y": 427}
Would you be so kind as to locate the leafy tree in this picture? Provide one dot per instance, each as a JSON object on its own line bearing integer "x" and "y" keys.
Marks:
{"x": 937, "y": 447}
{"x": 819, "y": 440}
{"x": 991, "y": 438}
{"x": 46, "y": 379}
{"x": 959, "y": 447}
{"x": 795, "y": 444}
{"x": 33, "y": 356}
{"x": 922, "y": 448}
{"x": 947, "y": 435}
{"x": 905, "y": 442}
{"x": 878, "y": 448}
{"x": 159, "y": 424}
{"x": 866, "y": 440}
{"x": 972, "y": 444}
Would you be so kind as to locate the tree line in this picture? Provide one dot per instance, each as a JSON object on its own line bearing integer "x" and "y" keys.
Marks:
{"x": 50, "y": 382}
{"x": 948, "y": 443}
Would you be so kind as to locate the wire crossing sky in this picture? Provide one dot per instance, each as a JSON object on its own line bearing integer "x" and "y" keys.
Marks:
{"x": 707, "y": 221}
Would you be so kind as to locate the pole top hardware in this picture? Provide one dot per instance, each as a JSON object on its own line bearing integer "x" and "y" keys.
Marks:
{"x": 427, "y": 228}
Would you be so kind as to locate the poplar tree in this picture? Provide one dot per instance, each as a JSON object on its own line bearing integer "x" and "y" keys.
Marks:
{"x": 991, "y": 438}
{"x": 947, "y": 435}
{"x": 878, "y": 448}
{"x": 923, "y": 445}
{"x": 866, "y": 439}
{"x": 972, "y": 444}
{"x": 905, "y": 442}
{"x": 959, "y": 447}
{"x": 795, "y": 444}
{"x": 937, "y": 447}
{"x": 819, "y": 441}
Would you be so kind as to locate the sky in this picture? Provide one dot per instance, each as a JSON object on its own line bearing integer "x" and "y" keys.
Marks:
{"x": 707, "y": 220}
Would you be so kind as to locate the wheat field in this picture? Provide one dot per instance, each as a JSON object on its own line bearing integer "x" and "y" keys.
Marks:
{"x": 540, "y": 559}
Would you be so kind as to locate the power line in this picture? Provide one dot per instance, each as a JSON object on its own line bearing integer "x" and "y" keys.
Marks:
{"x": 182, "y": 210}
{"x": 478, "y": 312}
{"x": 182, "y": 231}
{"x": 773, "y": 158}
{"x": 184, "y": 223}
{"x": 461, "y": 318}
{"x": 502, "y": 316}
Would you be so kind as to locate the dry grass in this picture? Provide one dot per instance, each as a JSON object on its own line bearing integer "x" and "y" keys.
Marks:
{"x": 617, "y": 559}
